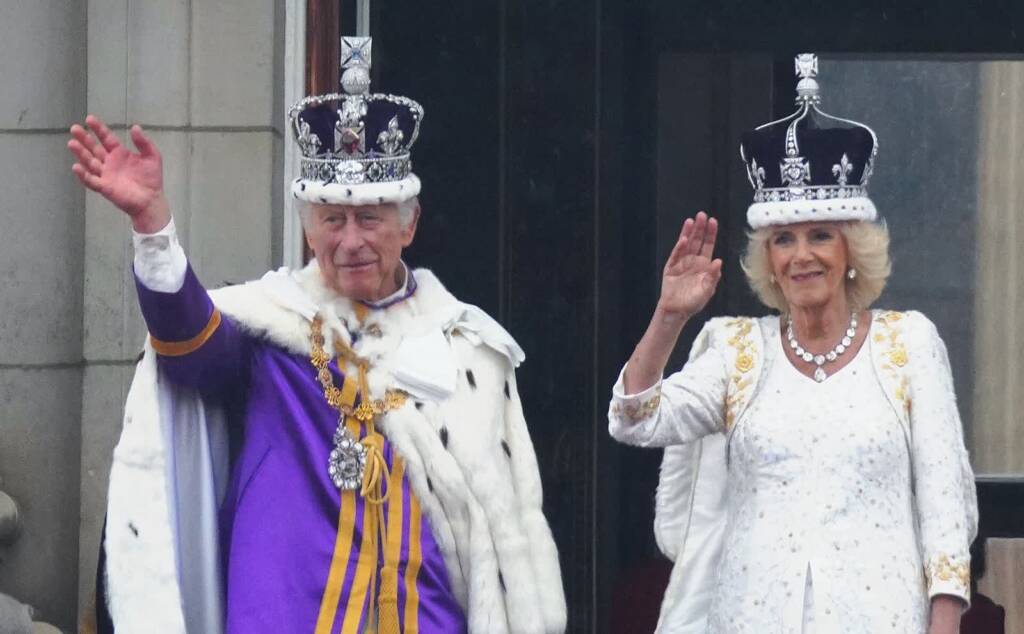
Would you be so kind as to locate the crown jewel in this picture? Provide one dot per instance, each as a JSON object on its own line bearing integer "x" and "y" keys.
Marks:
{"x": 809, "y": 165}
{"x": 355, "y": 138}
{"x": 806, "y": 67}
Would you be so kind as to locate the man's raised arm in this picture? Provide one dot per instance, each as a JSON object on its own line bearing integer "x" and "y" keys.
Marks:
{"x": 195, "y": 346}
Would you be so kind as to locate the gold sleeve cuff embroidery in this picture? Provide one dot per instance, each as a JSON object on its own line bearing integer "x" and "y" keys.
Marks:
{"x": 946, "y": 570}
{"x": 181, "y": 348}
{"x": 636, "y": 411}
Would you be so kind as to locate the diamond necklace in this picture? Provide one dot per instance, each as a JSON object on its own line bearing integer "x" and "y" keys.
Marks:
{"x": 821, "y": 359}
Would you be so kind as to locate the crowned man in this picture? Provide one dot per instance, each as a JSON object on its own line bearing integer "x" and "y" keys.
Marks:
{"x": 337, "y": 449}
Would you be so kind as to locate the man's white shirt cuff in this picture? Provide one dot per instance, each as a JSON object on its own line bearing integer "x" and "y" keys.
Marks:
{"x": 160, "y": 262}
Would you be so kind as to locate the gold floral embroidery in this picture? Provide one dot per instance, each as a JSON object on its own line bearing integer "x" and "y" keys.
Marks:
{"x": 635, "y": 412}
{"x": 744, "y": 363}
{"x": 898, "y": 356}
{"x": 896, "y": 353}
{"x": 944, "y": 568}
{"x": 903, "y": 393}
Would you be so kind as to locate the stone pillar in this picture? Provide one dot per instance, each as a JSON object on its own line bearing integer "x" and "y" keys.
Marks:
{"x": 1004, "y": 578}
{"x": 996, "y": 445}
{"x": 204, "y": 79}
{"x": 997, "y": 448}
{"x": 42, "y": 62}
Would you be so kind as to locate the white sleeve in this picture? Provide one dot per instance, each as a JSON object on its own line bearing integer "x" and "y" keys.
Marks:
{"x": 160, "y": 262}
{"x": 944, "y": 490}
{"x": 688, "y": 405}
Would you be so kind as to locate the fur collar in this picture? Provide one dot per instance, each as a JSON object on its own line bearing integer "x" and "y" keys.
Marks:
{"x": 280, "y": 306}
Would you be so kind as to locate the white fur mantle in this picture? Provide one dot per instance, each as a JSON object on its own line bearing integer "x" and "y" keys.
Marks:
{"x": 468, "y": 453}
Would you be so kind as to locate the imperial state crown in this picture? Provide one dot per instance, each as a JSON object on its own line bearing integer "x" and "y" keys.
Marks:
{"x": 355, "y": 145}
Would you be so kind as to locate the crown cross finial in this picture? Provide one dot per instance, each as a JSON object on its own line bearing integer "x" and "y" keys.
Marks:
{"x": 356, "y": 59}
{"x": 806, "y": 68}
{"x": 356, "y": 51}
{"x": 806, "y": 65}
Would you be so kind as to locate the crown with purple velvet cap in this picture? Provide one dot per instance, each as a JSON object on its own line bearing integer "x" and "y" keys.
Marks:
{"x": 355, "y": 145}
{"x": 823, "y": 162}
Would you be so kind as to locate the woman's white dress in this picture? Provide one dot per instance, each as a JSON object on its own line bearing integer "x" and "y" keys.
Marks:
{"x": 822, "y": 525}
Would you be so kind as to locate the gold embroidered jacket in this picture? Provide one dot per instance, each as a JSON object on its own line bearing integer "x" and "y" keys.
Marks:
{"x": 697, "y": 412}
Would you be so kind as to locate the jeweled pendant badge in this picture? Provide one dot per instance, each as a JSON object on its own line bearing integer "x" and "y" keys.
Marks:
{"x": 348, "y": 460}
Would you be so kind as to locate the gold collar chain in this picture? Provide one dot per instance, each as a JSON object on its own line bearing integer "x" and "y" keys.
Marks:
{"x": 354, "y": 464}
{"x": 369, "y": 409}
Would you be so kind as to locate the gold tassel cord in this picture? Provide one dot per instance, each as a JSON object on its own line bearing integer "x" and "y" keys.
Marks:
{"x": 376, "y": 472}
{"x": 378, "y": 479}
{"x": 387, "y": 603}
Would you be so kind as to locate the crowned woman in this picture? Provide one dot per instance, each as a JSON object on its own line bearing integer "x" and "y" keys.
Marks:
{"x": 815, "y": 477}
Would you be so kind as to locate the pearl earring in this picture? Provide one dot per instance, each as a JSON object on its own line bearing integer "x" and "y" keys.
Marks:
{"x": 851, "y": 274}
{"x": 773, "y": 279}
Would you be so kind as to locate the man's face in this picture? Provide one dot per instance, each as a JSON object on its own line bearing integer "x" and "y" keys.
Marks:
{"x": 359, "y": 247}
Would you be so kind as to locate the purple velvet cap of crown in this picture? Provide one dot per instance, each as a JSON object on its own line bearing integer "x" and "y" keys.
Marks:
{"x": 811, "y": 165}
{"x": 384, "y": 116}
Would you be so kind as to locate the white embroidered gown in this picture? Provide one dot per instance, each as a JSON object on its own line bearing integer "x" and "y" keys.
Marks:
{"x": 821, "y": 530}
{"x": 820, "y": 487}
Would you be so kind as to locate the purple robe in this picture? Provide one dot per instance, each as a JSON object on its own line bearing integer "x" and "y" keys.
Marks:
{"x": 293, "y": 544}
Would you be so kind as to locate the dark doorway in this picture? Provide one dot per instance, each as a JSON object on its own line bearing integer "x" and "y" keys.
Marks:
{"x": 562, "y": 145}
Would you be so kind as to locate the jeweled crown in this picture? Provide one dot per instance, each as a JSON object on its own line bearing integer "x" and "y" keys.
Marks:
{"x": 809, "y": 165}
{"x": 355, "y": 144}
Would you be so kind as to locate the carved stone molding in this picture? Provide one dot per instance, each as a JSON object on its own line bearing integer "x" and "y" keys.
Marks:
{"x": 10, "y": 520}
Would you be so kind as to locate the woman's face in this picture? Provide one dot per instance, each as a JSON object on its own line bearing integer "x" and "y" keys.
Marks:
{"x": 808, "y": 260}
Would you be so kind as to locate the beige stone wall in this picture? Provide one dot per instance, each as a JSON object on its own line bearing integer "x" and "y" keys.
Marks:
{"x": 42, "y": 63}
{"x": 996, "y": 442}
{"x": 204, "y": 78}
{"x": 1004, "y": 579}
{"x": 997, "y": 445}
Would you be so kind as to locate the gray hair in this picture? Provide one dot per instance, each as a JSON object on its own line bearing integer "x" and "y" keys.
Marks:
{"x": 867, "y": 251}
{"x": 406, "y": 210}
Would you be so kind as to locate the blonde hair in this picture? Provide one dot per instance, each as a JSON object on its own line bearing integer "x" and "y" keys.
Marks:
{"x": 867, "y": 251}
